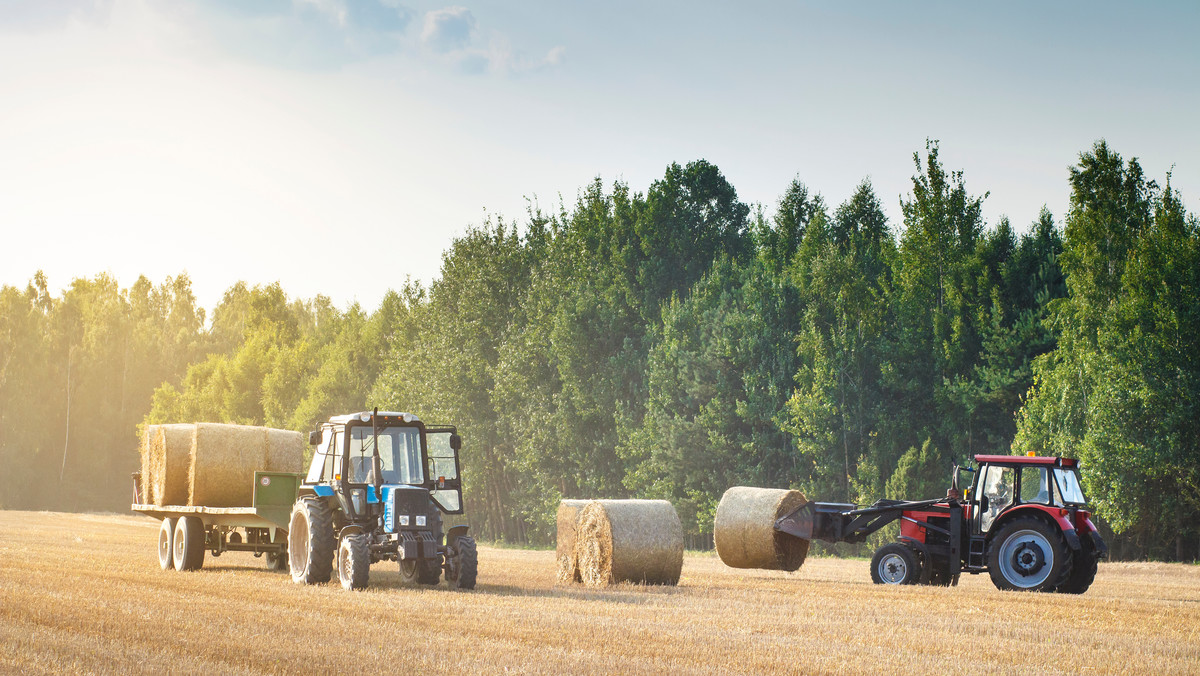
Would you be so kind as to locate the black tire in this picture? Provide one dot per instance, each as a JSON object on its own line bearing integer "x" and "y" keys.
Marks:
{"x": 354, "y": 562}
{"x": 188, "y": 544}
{"x": 278, "y": 562}
{"x": 310, "y": 542}
{"x": 166, "y": 544}
{"x": 895, "y": 563}
{"x": 464, "y": 563}
{"x": 419, "y": 571}
{"x": 1028, "y": 554}
{"x": 939, "y": 572}
{"x": 1083, "y": 573}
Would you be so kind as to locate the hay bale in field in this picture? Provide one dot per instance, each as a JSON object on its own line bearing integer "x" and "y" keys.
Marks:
{"x": 170, "y": 458}
{"x": 629, "y": 540}
{"x": 567, "y": 533}
{"x": 146, "y": 480}
{"x": 744, "y": 529}
{"x": 224, "y": 459}
{"x": 285, "y": 451}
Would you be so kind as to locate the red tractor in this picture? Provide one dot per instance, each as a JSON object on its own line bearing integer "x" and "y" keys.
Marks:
{"x": 1024, "y": 520}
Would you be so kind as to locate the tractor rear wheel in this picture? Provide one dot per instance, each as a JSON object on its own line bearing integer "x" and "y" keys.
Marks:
{"x": 1083, "y": 573}
{"x": 895, "y": 563}
{"x": 1028, "y": 554}
{"x": 188, "y": 544}
{"x": 310, "y": 542}
{"x": 464, "y": 564}
{"x": 354, "y": 562}
{"x": 166, "y": 544}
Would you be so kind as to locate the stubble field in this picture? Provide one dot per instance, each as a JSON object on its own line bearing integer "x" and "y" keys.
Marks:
{"x": 83, "y": 593}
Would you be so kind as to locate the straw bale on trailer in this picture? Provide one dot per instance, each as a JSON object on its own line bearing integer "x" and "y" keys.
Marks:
{"x": 170, "y": 458}
{"x": 285, "y": 451}
{"x": 744, "y": 529}
{"x": 629, "y": 540}
{"x": 224, "y": 459}
{"x": 568, "y": 529}
{"x": 144, "y": 451}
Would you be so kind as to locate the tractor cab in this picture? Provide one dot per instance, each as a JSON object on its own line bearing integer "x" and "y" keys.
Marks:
{"x": 1004, "y": 482}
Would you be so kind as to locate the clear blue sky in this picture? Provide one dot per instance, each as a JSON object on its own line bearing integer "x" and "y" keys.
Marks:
{"x": 260, "y": 140}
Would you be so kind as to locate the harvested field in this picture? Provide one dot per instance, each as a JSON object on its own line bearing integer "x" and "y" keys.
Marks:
{"x": 84, "y": 593}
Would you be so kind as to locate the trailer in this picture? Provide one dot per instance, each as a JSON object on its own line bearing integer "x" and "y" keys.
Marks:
{"x": 188, "y": 531}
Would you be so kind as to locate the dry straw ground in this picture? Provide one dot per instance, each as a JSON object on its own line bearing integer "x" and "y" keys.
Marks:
{"x": 82, "y": 593}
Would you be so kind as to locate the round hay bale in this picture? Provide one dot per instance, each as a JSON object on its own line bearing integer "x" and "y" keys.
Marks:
{"x": 629, "y": 540}
{"x": 170, "y": 457}
{"x": 744, "y": 529}
{"x": 224, "y": 459}
{"x": 285, "y": 451}
{"x": 567, "y": 532}
{"x": 144, "y": 483}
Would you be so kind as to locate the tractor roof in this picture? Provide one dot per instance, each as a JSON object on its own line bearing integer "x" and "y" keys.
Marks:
{"x": 1028, "y": 460}
{"x": 365, "y": 416}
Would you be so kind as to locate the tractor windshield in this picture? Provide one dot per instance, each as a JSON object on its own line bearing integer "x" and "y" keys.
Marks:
{"x": 399, "y": 454}
{"x": 1068, "y": 485}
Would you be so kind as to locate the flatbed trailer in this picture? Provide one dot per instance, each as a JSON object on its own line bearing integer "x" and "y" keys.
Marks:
{"x": 188, "y": 531}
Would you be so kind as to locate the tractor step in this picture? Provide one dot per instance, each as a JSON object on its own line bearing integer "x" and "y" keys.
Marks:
{"x": 976, "y": 554}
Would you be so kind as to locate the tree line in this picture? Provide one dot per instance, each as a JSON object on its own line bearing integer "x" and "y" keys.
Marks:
{"x": 675, "y": 342}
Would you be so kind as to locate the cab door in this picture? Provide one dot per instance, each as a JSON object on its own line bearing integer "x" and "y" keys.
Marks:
{"x": 444, "y": 479}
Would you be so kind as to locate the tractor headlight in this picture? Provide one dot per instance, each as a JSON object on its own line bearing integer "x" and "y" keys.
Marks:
{"x": 403, "y": 519}
{"x": 358, "y": 497}
{"x": 421, "y": 520}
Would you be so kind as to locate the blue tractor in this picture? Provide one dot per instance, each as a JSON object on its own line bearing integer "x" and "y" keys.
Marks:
{"x": 377, "y": 490}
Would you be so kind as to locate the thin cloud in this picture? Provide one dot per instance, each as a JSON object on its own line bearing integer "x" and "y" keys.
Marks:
{"x": 24, "y": 16}
{"x": 448, "y": 29}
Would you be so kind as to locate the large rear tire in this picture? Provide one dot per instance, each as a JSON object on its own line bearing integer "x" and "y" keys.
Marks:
{"x": 188, "y": 543}
{"x": 354, "y": 562}
{"x": 895, "y": 563}
{"x": 464, "y": 564}
{"x": 166, "y": 544}
{"x": 1028, "y": 554}
{"x": 1083, "y": 573}
{"x": 310, "y": 542}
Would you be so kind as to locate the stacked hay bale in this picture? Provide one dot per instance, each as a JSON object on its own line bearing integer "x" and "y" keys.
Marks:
{"x": 170, "y": 459}
{"x": 211, "y": 464}
{"x": 148, "y": 432}
{"x": 744, "y": 529}
{"x": 622, "y": 541}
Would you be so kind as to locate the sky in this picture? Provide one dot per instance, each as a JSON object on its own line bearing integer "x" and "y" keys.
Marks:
{"x": 338, "y": 146}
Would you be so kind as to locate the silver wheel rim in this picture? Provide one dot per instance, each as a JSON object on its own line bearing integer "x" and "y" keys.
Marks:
{"x": 164, "y": 548}
{"x": 1018, "y": 559}
{"x": 893, "y": 569}
{"x": 344, "y": 563}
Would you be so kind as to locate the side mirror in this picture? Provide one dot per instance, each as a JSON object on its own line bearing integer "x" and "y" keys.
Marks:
{"x": 455, "y": 442}
{"x": 983, "y": 503}
{"x": 314, "y": 437}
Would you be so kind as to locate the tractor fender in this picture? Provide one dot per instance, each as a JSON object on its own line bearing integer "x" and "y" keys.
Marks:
{"x": 352, "y": 529}
{"x": 1055, "y": 515}
{"x": 455, "y": 532}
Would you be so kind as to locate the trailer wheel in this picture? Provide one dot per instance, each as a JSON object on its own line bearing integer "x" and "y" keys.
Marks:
{"x": 420, "y": 571}
{"x": 188, "y": 543}
{"x": 310, "y": 542}
{"x": 1083, "y": 573}
{"x": 464, "y": 563}
{"x": 1028, "y": 554}
{"x": 166, "y": 544}
{"x": 895, "y": 563}
{"x": 354, "y": 562}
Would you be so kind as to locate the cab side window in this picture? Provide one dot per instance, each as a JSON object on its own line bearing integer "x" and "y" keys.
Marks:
{"x": 1034, "y": 485}
{"x": 998, "y": 484}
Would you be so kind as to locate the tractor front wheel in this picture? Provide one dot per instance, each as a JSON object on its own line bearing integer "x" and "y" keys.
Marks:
{"x": 463, "y": 566}
{"x": 895, "y": 563}
{"x": 166, "y": 544}
{"x": 310, "y": 542}
{"x": 1028, "y": 554}
{"x": 354, "y": 562}
{"x": 277, "y": 561}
